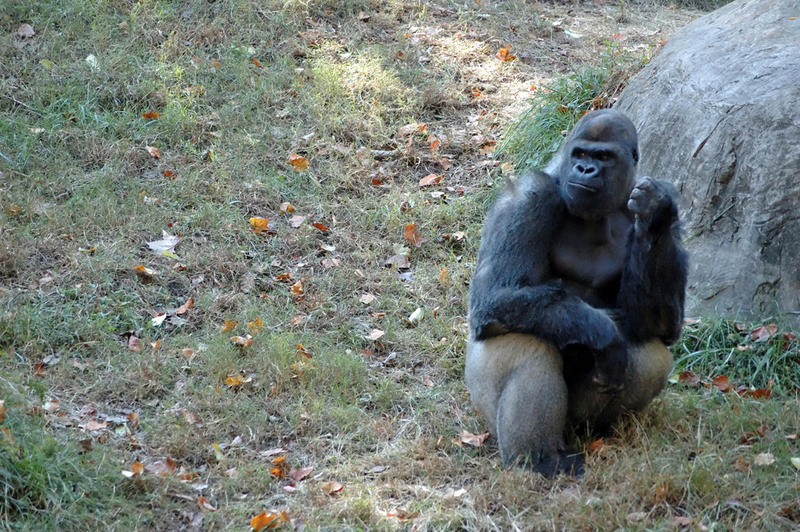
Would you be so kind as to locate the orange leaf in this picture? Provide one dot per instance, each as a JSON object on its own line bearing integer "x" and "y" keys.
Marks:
{"x": 2, "y": 410}
{"x": 260, "y": 225}
{"x": 153, "y": 151}
{"x": 233, "y": 381}
{"x": 283, "y": 276}
{"x": 331, "y": 487}
{"x": 412, "y": 235}
{"x": 321, "y": 226}
{"x": 689, "y": 378}
{"x": 297, "y": 288}
{"x": 39, "y": 368}
{"x": 721, "y": 383}
{"x": 277, "y": 472}
{"x": 430, "y": 179}
{"x": 286, "y": 207}
{"x": 169, "y": 173}
{"x": 186, "y": 306}
{"x": 133, "y": 417}
{"x": 433, "y": 142}
{"x": 765, "y": 332}
{"x": 229, "y": 325}
{"x": 255, "y": 325}
{"x": 13, "y": 209}
{"x": 597, "y": 445}
{"x": 151, "y": 114}
{"x": 299, "y": 162}
{"x": 263, "y": 520}
{"x": 504, "y": 54}
{"x": 137, "y": 468}
{"x": 256, "y": 62}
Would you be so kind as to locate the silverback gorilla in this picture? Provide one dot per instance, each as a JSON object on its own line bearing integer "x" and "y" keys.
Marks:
{"x": 579, "y": 287}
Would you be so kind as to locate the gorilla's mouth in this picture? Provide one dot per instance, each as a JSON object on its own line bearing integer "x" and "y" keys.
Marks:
{"x": 582, "y": 186}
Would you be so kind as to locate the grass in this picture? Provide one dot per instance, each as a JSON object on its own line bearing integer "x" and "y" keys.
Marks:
{"x": 239, "y": 86}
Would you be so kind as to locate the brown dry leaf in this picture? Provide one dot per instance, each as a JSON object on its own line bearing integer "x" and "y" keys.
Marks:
{"x": 764, "y": 459}
{"x": 366, "y": 299}
{"x": 256, "y": 62}
{"x": 134, "y": 344}
{"x": 205, "y": 504}
{"x": 321, "y": 226}
{"x": 244, "y": 341}
{"x": 259, "y": 225}
{"x": 412, "y": 235}
{"x": 597, "y": 446}
{"x": 764, "y": 333}
{"x": 2, "y": 410}
{"x": 330, "y": 263}
{"x": 444, "y": 277}
{"x": 283, "y": 276}
{"x": 296, "y": 221}
{"x": 410, "y": 129}
{"x": 430, "y": 179}
{"x": 303, "y": 352}
{"x": 256, "y": 325}
{"x": 151, "y": 114}
{"x": 229, "y": 325}
{"x": 689, "y": 378}
{"x": 39, "y": 369}
{"x": 137, "y": 468}
{"x": 504, "y": 54}
{"x": 192, "y": 418}
{"x": 475, "y": 440}
{"x": 297, "y": 320}
{"x": 144, "y": 271}
{"x": 94, "y": 425}
{"x": 299, "y": 162}
{"x": 162, "y": 468}
{"x": 331, "y": 487}
{"x": 374, "y": 334}
{"x": 156, "y": 345}
{"x": 185, "y": 307}
{"x": 13, "y": 209}
{"x": 740, "y": 464}
{"x": 433, "y": 142}
{"x": 721, "y": 383}
{"x": 154, "y": 152}
{"x": 133, "y": 418}
{"x": 169, "y": 174}
{"x": 301, "y": 473}
{"x": 682, "y": 520}
{"x": 297, "y": 289}
{"x": 286, "y": 207}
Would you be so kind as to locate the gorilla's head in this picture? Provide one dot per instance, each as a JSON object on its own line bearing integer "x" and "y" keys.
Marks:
{"x": 597, "y": 166}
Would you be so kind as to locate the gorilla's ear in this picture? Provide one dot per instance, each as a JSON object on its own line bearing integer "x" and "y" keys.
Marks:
{"x": 635, "y": 156}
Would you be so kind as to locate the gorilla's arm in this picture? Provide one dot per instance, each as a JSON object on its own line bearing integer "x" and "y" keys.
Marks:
{"x": 513, "y": 289}
{"x": 653, "y": 284}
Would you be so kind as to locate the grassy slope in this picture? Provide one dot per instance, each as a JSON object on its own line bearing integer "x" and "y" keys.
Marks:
{"x": 334, "y": 81}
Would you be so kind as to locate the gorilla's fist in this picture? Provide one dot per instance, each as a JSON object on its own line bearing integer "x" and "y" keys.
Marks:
{"x": 653, "y": 203}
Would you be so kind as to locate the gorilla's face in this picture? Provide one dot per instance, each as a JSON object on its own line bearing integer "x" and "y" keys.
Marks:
{"x": 598, "y": 166}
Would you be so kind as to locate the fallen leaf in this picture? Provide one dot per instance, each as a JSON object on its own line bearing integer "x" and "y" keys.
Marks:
{"x": 374, "y": 334}
{"x": 297, "y": 288}
{"x": 205, "y": 504}
{"x": 597, "y": 446}
{"x": 410, "y": 129}
{"x": 682, "y": 520}
{"x": 399, "y": 261}
{"x": 190, "y": 417}
{"x": 795, "y": 460}
{"x": 416, "y": 316}
{"x": 635, "y": 517}
{"x": 167, "y": 243}
{"x": 256, "y": 325}
{"x": 433, "y": 143}
{"x": 303, "y": 352}
{"x": 154, "y": 152}
{"x": 25, "y": 31}
{"x": 259, "y": 225}
{"x": 299, "y": 162}
{"x": 296, "y": 221}
{"x": 234, "y": 381}
{"x": 13, "y": 209}
{"x": 763, "y": 333}
{"x": 134, "y": 344}
{"x": 504, "y": 54}
{"x": 151, "y": 114}
{"x": 689, "y": 378}
{"x": 137, "y": 468}
{"x": 244, "y": 341}
{"x": 169, "y": 174}
{"x": 144, "y": 271}
{"x": 297, "y": 320}
{"x": 286, "y": 207}
{"x": 321, "y": 226}
{"x": 301, "y": 473}
{"x": 475, "y": 440}
{"x": 229, "y": 325}
{"x": 764, "y": 459}
{"x": 331, "y": 487}
{"x": 256, "y": 62}
{"x": 162, "y": 468}
{"x": 94, "y": 425}
{"x": 740, "y": 464}
{"x": 263, "y": 520}
{"x": 366, "y": 299}
{"x": 133, "y": 418}
{"x": 283, "y": 276}
{"x": 430, "y": 179}
{"x": 721, "y": 383}
{"x": 185, "y": 307}
{"x": 412, "y": 235}
{"x": 2, "y": 410}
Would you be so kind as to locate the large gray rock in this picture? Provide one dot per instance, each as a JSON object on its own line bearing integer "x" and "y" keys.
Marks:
{"x": 718, "y": 112}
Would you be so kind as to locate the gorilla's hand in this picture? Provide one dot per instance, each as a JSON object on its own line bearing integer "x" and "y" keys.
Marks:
{"x": 610, "y": 367}
{"x": 653, "y": 203}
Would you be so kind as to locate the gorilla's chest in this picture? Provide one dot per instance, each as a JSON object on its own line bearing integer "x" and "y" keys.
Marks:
{"x": 589, "y": 256}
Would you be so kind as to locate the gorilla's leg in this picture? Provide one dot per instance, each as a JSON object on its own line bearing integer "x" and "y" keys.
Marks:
{"x": 649, "y": 365}
{"x": 516, "y": 382}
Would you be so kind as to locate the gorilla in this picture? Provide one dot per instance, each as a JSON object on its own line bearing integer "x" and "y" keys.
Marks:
{"x": 579, "y": 287}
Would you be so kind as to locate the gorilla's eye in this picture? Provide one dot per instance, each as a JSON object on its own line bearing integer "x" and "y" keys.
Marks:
{"x": 603, "y": 156}
{"x": 579, "y": 154}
